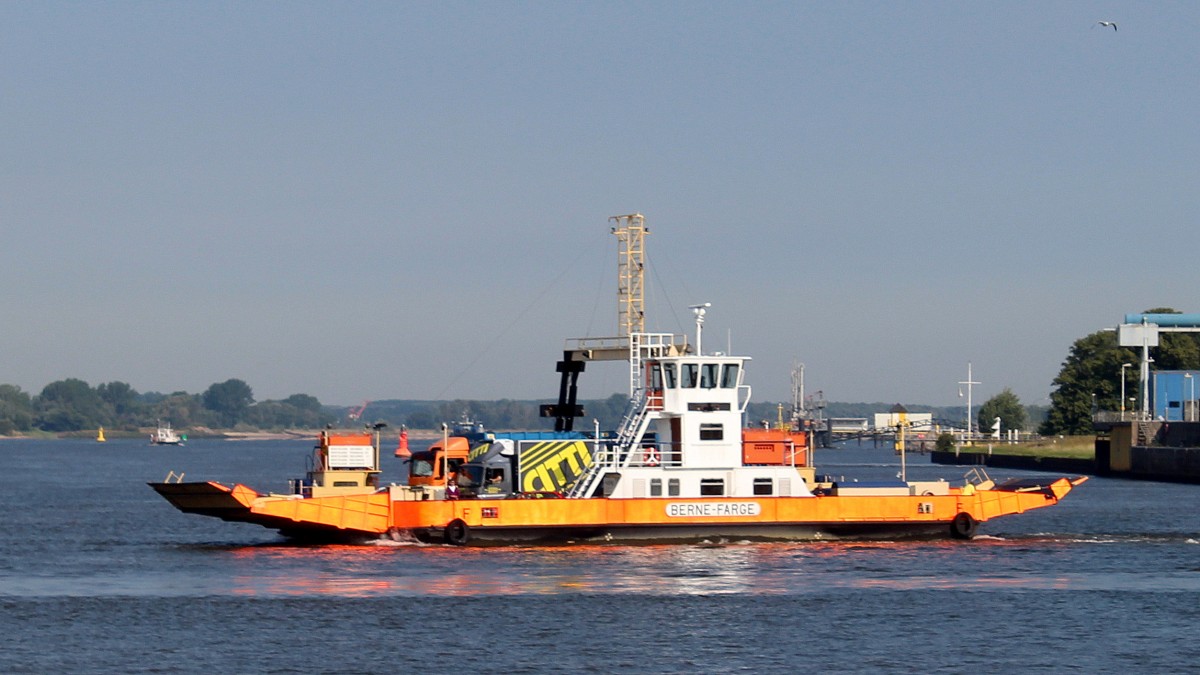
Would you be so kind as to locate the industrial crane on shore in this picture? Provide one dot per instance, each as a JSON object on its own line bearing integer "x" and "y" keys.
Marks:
{"x": 357, "y": 412}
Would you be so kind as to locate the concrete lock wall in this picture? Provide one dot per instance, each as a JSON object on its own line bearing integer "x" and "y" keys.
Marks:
{"x": 1173, "y": 464}
{"x": 1168, "y": 451}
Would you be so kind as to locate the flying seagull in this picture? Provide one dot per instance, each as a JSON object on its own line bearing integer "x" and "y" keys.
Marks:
{"x": 1106, "y": 24}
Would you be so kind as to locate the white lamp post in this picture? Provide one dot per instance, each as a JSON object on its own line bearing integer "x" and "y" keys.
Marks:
{"x": 1191, "y": 395}
{"x": 1123, "y": 367}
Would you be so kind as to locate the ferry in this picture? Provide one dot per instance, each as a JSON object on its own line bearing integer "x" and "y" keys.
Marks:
{"x": 681, "y": 467}
{"x": 165, "y": 435}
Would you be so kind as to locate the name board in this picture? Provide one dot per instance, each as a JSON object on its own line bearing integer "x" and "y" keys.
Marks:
{"x": 351, "y": 456}
{"x": 712, "y": 509}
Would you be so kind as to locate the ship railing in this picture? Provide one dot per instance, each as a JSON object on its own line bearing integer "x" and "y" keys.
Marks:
{"x": 656, "y": 454}
{"x": 979, "y": 478}
{"x": 586, "y": 484}
{"x": 655, "y": 400}
{"x": 604, "y": 457}
{"x": 636, "y": 404}
{"x": 644, "y": 455}
{"x": 632, "y": 421}
{"x": 618, "y": 453}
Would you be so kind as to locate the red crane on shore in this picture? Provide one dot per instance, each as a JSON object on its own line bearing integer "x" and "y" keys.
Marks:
{"x": 357, "y": 412}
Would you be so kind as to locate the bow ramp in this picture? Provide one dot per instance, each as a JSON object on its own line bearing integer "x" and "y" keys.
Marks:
{"x": 1017, "y": 496}
{"x": 351, "y": 515}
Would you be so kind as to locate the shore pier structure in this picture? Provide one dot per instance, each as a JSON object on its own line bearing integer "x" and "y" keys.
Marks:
{"x": 1149, "y": 449}
{"x": 1155, "y": 436}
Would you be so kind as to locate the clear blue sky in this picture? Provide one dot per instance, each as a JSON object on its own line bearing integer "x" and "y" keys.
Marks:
{"x": 373, "y": 200}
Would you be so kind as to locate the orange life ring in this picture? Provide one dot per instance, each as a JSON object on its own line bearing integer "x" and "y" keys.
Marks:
{"x": 651, "y": 457}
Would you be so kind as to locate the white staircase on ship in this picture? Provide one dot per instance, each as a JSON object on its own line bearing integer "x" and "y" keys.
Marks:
{"x": 620, "y": 451}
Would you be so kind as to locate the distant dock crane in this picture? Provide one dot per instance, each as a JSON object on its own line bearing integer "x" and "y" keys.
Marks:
{"x": 356, "y": 413}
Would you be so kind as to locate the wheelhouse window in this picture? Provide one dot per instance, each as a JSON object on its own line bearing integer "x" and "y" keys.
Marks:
{"x": 712, "y": 487}
{"x": 712, "y": 432}
{"x": 668, "y": 376}
{"x": 764, "y": 486}
{"x": 662, "y": 376}
{"x": 729, "y": 376}
{"x": 690, "y": 373}
{"x": 708, "y": 375}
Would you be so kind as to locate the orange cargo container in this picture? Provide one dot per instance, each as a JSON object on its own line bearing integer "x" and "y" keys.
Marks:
{"x": 774, "y": 447}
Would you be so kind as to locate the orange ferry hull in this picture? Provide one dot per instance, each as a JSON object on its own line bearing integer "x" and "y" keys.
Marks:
{"x": 510, "y": 521}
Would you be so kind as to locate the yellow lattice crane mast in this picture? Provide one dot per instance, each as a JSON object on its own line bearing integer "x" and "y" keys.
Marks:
{"x": 631, "y": 343}
{"x": 631, "y": 232}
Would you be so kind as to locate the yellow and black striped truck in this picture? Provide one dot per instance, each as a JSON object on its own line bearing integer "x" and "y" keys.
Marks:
{"x": 531, "y": 464}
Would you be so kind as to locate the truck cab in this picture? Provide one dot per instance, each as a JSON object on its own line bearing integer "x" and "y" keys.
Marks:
{"x": 490, "y": 472}
{"x": 434, "y": 466}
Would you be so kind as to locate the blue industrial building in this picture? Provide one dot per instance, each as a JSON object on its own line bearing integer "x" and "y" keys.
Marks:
{"x": 1175, "y": 394}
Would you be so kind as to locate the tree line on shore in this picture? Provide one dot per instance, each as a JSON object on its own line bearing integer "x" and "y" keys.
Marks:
{"x": 1090, "y": 380}
{"x": 73, "y": 405}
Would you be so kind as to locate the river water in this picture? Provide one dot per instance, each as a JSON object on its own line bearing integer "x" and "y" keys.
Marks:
{"x": 98, "y": 574}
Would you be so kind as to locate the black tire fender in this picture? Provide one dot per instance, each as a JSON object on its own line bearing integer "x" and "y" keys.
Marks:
{"x": 457, "y": 532}
{"x": 963, "y": 526}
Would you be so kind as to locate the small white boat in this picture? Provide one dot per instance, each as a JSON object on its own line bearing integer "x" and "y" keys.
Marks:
{"x": 164, "y": 435}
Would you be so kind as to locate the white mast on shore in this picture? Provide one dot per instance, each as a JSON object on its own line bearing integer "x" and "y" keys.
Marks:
{"x": 970, "y": 382}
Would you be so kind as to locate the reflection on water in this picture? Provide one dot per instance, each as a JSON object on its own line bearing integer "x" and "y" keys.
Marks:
{"x": 203, "y": 595}
{"x": 323, "y": 585}
{"x": 403, "y": 570}
{"x": 967, "y": 583}
{"x": 121, "y": 539}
